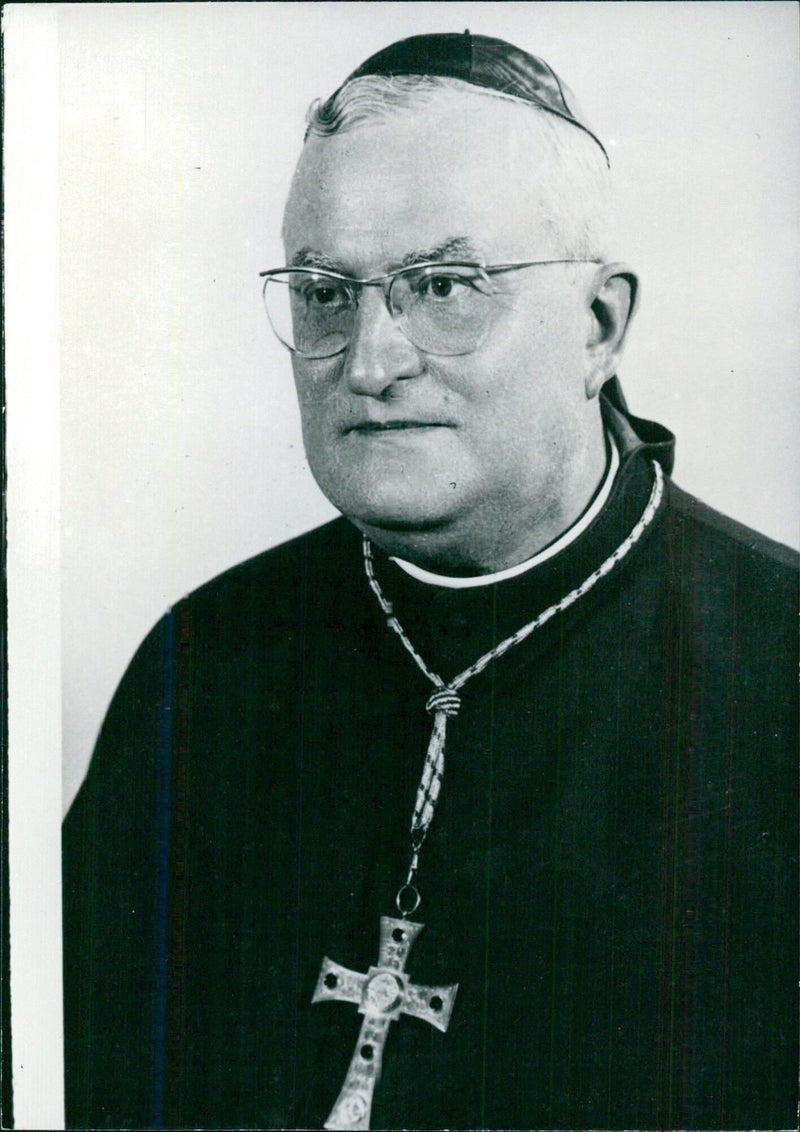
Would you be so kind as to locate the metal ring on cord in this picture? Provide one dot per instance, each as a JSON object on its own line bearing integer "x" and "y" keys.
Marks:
{"x": 414, "y": 899}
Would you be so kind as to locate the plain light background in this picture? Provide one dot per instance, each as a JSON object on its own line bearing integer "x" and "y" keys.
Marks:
{"x": 30, "y": 292}
{"x": 179, "y": 128}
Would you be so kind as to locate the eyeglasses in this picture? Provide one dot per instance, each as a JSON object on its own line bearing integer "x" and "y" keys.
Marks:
{"x": 445, "y": 309}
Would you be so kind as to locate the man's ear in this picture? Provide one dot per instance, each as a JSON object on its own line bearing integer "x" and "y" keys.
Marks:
{"x": 612, "y": 304}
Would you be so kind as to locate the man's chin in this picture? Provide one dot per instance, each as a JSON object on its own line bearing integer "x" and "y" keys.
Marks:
{"x": 398, "y": 512}
{"x": 398, "y": 503}
{"x": 398, "y": 526}
{"x": 397, "y": 519}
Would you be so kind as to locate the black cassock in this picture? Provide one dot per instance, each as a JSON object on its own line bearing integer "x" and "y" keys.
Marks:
{"x": 610, "y": 877}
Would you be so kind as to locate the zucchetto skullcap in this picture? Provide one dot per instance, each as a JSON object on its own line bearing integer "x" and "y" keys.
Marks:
{"x": 484, "y": 62}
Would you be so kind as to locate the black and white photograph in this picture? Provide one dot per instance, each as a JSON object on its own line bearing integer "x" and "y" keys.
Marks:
{"x": 403, "y": 512}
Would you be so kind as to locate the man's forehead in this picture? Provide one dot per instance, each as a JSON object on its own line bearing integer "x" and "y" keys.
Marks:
{"x": 415, "y": 182}
{"x": 454, "y": 117}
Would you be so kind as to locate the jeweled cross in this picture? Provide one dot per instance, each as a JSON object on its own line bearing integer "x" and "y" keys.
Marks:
{"x": 383, "y": 994}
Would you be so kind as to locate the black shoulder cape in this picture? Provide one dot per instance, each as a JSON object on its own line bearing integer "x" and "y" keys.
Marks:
{"x": 611, "y": 874}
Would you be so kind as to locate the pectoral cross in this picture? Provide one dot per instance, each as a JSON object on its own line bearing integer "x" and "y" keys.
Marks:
{"x": 382, "y": 995}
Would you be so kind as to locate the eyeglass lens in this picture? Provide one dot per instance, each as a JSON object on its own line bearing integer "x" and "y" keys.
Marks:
{"x": 443, "y": 309}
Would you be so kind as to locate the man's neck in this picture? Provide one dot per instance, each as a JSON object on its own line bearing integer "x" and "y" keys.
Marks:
{"x": 499, "y": 537}
{"x": 550, "y": 551}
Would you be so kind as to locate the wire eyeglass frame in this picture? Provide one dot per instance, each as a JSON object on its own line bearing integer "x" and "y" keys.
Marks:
{"x": 386, "y": 283}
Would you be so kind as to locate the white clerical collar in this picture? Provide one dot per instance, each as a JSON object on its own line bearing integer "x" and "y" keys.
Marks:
{"x": 563, "y": 541}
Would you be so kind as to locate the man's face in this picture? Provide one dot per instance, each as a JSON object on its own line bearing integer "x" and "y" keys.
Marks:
{"x": 400, "y": 439}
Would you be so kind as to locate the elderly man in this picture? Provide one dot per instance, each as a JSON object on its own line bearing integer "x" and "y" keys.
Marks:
{"x": 564, "y": 895}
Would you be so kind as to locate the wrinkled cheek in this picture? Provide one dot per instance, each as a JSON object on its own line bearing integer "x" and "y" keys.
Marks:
{"x": 315, "y": 440}
{"x": 329, "y": 459}
{"x": 341, "y": 479}
{"x": 315, "y": 382}
{"x": 313, "y": 390}
{"x": 320, "y": 436}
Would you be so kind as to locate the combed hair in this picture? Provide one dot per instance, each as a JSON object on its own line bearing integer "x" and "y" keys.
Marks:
{"x": 573, "y": 180}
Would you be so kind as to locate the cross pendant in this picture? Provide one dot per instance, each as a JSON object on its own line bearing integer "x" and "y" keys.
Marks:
{"x": 382, "y": 995}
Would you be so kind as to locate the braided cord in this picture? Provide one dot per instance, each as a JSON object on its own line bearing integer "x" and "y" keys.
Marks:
{"x": 391, "y": 620}
{"x": 445, "y": 702}
{"x": 576, "y": 594}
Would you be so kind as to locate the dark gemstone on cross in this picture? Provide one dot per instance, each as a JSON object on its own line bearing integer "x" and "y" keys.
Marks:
{"x": 331, "y": 980}
{"x": 366, "y": 1052}
{"x": 398, "y": 935}
{"x": 436, "y": 1003}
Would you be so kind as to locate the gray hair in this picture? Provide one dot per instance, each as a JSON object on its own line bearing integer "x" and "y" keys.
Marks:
{"x": 573, "y": 180}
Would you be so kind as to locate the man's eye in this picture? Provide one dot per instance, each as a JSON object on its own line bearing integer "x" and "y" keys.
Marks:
{"x": 441, "y": 286}
{"x": 320, "y": 293}
{"x": 324, "y": 294}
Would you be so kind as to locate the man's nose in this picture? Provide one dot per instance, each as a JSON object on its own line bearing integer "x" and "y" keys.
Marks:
{"x": 379, "y": 352}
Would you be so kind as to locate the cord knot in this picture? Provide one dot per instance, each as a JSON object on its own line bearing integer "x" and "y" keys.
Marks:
{"x": 446, "y": 700}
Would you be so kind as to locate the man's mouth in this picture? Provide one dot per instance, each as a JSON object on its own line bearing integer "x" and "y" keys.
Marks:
{"x": 393, "y": 426}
